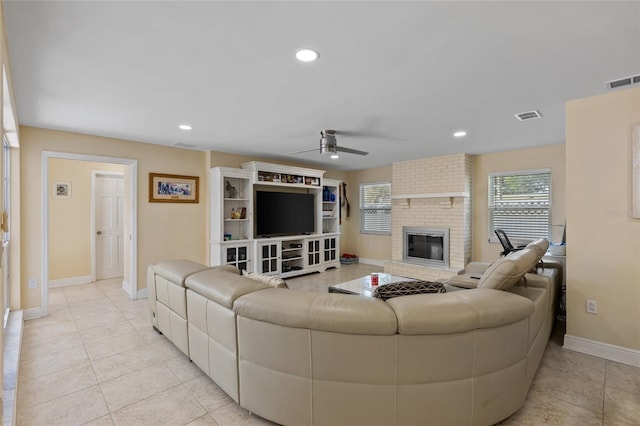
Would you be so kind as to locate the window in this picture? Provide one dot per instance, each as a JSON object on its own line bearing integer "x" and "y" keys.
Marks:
{"x": 375, "y": 208}
{"x": 520, "y": 205}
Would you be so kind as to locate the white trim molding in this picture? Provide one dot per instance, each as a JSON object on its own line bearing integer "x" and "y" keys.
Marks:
{"x": 143, "y": 293}
{"x": 128, "y": 288}
{"x": 62, "y": 282}
{"x": 602, "y": 350}
{"x": 33, "y": 313}
{"x": 374, "y": 262}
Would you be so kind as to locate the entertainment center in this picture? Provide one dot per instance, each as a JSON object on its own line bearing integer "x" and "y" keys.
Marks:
{"x": 274, "y": 219}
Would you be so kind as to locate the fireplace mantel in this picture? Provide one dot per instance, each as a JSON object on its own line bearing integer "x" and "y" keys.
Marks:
{"x": 450, "y": 195}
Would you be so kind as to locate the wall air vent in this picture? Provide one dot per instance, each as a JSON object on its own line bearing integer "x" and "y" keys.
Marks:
{"x": 184, "y": 145}
{"x": 529, "y": 115}
{"x": 621, "y": 82}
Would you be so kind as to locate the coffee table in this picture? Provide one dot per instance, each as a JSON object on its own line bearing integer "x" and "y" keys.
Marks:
{"x": 362, "y": 285}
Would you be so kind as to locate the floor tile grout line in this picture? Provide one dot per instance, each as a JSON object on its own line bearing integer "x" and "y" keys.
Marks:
{"x": 146, "y": 398}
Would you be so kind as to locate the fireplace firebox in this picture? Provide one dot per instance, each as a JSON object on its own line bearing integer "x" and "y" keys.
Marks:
{"x": 426, "y": 246}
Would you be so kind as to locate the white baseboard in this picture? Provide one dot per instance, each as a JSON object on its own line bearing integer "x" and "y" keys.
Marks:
{"x": 84, "y": 279}
{"x": 602, "y": 350}
{"x": 374, "y": 262}
{"x": 143, "y": 294}
{"x": 127, "y": 288}
{"x": 32, "y": 313}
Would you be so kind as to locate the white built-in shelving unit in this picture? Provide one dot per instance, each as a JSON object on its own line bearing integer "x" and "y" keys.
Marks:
{"x": 232, "y": 220}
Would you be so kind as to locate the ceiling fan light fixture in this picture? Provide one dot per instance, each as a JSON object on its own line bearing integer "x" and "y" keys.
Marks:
{"x": 185, "y": 127}
{"x": 459, "y": 134}
{"x": 306, "y": 55}
{"x": 335, "y": 156}
{"x": 328, "y": 143}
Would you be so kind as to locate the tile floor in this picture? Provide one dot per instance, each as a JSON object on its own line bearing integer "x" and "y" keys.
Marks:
{"x": 96, "y": 360}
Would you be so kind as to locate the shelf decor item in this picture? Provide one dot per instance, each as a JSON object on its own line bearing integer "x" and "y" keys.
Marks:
{"x": 164, "y": 188}
{"x": 232, "y": 192}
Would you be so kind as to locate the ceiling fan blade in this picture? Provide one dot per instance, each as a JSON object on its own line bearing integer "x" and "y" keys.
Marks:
{"x": 300, "y": 152}
{"x": 373, "y": 134}
{"x": 351, "y": 151}
{"x": 355, "y": 133}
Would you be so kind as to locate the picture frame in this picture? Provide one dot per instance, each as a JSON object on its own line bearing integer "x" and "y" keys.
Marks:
{"x": 61, "y": 189}
{"x": 167, "y": 188}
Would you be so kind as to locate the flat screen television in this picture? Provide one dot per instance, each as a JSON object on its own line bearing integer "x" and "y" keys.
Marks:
{"x": 284, "y": 213}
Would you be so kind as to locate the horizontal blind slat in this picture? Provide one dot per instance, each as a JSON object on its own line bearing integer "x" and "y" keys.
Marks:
{"x": 520, "y": 203}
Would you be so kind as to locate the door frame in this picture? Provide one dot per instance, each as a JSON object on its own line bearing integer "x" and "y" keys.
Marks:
{"x": 132, "y": 165}
{"x": 94, "y": 175}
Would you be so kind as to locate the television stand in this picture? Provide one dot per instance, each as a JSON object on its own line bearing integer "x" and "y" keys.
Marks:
{"x": 235, "y": 241}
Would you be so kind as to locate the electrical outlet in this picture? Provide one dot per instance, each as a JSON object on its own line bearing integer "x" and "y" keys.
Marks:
{"x": 33, "y": 283}
{"x": 592, "y": 307}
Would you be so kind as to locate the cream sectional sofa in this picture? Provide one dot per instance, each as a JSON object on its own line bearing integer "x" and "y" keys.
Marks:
{"x": 294, "y": 357}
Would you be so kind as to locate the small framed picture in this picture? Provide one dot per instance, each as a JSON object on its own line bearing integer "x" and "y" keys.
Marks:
{"x": 164, "y": 188}
{"x": 61, "y": 189}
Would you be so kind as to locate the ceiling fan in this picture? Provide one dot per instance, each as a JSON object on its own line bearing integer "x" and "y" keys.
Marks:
{"x": 329, "y": 144}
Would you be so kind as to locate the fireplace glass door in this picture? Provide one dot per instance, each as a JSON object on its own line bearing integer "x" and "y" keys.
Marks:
{"x": 425, "y": 247}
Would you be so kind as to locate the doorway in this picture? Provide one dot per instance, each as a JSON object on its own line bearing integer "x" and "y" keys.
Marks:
{"x": 107, "y": 190}
{"x": 128, "y": 254}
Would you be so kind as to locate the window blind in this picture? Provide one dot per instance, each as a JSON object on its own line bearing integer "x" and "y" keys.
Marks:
{"x": 375, "y": 208}
{"x": 520, "y": 205}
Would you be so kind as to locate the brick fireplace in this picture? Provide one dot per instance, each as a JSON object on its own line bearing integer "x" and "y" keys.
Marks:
{"x": 431, "y": 193}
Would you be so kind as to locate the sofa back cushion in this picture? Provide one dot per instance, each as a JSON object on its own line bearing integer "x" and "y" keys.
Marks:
{"x": 541, "y": 245}
{"x": 177, "y": 270}
{"x": 222, "y": 285}
{"x": 269, "y": 280}
{"x": 508, "y": 270}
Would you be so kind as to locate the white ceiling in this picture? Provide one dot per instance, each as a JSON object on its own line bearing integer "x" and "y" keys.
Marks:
{"x": 407, "y": 74}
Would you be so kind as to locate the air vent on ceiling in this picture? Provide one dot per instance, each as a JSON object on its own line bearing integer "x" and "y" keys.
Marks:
{"x": 626, "y": 81}
{"x": 184, "y": 145}
{"x": 529, "y": 115}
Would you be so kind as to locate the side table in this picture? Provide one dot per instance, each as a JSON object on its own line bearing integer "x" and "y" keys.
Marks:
{"x": 562, "y": 260}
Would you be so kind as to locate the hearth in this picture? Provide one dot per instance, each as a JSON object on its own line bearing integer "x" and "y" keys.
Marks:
{"x": 426, "y": 246}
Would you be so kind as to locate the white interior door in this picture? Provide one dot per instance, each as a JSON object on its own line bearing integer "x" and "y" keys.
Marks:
{"x": 109, "y": 211}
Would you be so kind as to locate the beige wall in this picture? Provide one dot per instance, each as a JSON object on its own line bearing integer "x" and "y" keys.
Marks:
{"x": 551, "y": 156}
{"x": 603, "y": 240}
{"x": 70, "y": 218}
{"x": 165, "y": 230}
{"x": 367, "y": 246}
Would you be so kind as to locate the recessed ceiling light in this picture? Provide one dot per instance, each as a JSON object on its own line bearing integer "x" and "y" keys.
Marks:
{"x": 460, "y": 134}
{"x": 306, "y": 55}
{"x": 185, "y": 127}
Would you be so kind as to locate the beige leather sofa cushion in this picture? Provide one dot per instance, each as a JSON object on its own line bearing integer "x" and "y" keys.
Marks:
{"x": 464, "y": 281}
{"x": 540, "y": 245}
{"x": 508, "y": 270}
{"x": 222, "y": 286}
{"x": 177, "y": 271}
{"x": 277, "y": 306}
{"x": 460, "y": 311}
{"x": 269, "y": 280}
{"x": 343, "y": 313}
{"x": 338, "y": 313}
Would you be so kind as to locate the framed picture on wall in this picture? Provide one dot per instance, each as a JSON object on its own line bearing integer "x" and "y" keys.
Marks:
{"x": 61, "y": 190}
{"x": 164, "y": 188}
